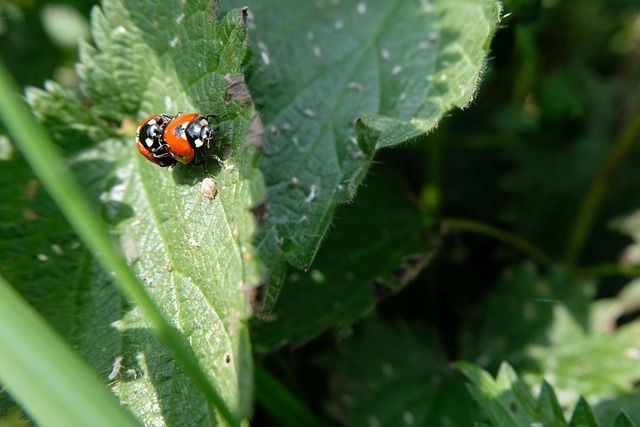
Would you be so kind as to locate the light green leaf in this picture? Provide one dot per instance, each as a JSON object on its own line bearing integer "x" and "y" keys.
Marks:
{"x": 45, "y": 385}
{"x": 193, "y": 252}
{"x": 506, "y": 400}
{"x": 548, "y": 326}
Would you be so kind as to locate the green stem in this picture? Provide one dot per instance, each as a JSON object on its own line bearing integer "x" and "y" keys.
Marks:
{"x": 498, "y": 234}
{"x": 594, "y": 198}
{"x": 600, "y": 270}
{"x": 280, "y": 403}
{"x": 44, "y": 158}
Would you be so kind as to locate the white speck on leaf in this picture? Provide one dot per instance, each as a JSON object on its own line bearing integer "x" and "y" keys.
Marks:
{"x": 358, "y": 87}
{"x": 362, "y": 8}
{"x": 264, "y": 53}
{"x": 180, "y": 18}
{"x": 117, "y": 366}
{"x": 317, "y": 52}
{"x": 426, "y": 6}
{"x": 43, "y": 257}
{"x": 309, "y": 112}
{"x": 396, "y": 70}
{"x": 408, "y": 418}
{"x": 338, "y": 25}
{"x": 208, "y": 188}
{"x": 387, "y": 370}
{"x": 313, "y": 191}
{"x": 120, "y": 30}
{"x": 174, "y": 41}
{"x": 385, "y": 54}
{"x": 265, "y": 57}
{"x": 310, "y": 35}
{"x": 57, "y": 249}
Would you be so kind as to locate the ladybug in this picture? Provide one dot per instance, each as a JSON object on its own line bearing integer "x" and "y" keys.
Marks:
{"x": 150, "y": 140}
{"x": 187, "y": 133}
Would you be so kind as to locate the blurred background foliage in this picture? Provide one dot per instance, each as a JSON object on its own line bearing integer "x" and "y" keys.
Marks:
{"x": 560, "y": 94}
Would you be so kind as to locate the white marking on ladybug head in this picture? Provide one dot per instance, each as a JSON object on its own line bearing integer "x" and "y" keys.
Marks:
{"x": 198, "y": 143}
{"x": 149, "y": 142}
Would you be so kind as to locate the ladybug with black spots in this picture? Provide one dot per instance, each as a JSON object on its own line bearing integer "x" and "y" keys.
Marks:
{"x": 150, "y": 140}
{"x": 166, "y": 140}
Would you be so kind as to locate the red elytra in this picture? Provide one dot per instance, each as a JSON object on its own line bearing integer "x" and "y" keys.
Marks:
{"x": 187, "y": 133}
{"x": 150, "y": 140}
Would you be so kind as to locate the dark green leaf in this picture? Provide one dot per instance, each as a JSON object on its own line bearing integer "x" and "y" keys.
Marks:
{"x": 394, "y": 375}
{"x": 506, "y": 401}
{"x": 369, "y": 254}
{"x": 337, "y": 80}
{"x": 583, "y": 415}
{"x": 623, "y": 420}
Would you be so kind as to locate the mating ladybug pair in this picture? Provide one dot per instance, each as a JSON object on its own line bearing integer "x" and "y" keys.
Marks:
{"x": 165, "y": 140}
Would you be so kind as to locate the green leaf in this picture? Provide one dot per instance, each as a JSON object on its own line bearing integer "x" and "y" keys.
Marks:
{"x": 623, "y": 420}
{"x": 547, "y": 326}
{"x": 370, "y": 254}
{"x": 393, "y": 375}
{"x": 192, "y": 251}
{"x": 548, "y": 408}
{"x": 518, "y": 316}
{"x": 338, "y": 80}
{"x": 45, "y": 385}
{"x": 506, "y": 400}
{"x": 583, "y": 415}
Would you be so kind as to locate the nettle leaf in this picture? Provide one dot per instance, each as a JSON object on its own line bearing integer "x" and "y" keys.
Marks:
{"x": 508, "y": 402}
{"x": 520, "y": 313}
{"x": 192, "y": 248}
{"x": 598, "y": 362}
{"x": 505, "y": 400}
{"x": 549, "y": 327}
{"x": 337, "y": 80}
{"x": 396, "y": 375}
{"x": 369, "y": 254}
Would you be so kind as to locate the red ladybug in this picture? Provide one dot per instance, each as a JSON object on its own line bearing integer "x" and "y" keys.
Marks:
{"x": 150, "y": 140}
{"x": 165, "y": 140}
{"x": 187, "y": 133}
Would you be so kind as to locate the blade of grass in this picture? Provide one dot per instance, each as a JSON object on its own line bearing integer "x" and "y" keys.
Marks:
{"x": 60, "y": 183}
{"x": 41, "y": 371}
{"x": 592, "y": 202}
